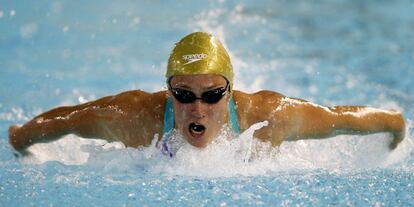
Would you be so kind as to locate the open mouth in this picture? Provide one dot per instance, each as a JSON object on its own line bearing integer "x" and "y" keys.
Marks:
{"x": 196, "y": 130}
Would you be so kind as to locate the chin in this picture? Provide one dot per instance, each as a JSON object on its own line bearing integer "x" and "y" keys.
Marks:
{"x": 198, "y": 145}
{"x": 200, "y": 142}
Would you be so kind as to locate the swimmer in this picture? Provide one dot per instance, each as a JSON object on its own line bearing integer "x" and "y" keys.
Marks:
{"x": 200, "y": 99}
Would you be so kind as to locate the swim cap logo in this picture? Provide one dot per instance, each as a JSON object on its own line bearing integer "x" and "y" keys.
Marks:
{"x": 191, "y": 58}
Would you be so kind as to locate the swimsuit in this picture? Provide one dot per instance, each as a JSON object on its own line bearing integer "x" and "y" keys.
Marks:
{"x": 169, "y": 123}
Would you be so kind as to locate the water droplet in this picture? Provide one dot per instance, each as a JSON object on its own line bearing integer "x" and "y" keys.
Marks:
{"x": 65, "y": 29}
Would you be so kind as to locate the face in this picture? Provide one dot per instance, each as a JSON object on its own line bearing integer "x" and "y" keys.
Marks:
{"x": 199, "y": 122}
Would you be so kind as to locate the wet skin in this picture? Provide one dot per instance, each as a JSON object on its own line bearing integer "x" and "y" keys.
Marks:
{"x": 134, "y": 117}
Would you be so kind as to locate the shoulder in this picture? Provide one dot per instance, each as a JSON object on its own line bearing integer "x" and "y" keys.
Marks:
{"x": 138, "y": 96}
{"x": 253, "y": 99}
{"x": 135, "y": 100}
{"x": 261, "y": 94}
{"x": 256, "y": 107}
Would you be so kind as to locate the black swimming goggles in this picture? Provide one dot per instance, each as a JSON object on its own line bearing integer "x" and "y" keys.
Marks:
{"x": 211, "y": 97}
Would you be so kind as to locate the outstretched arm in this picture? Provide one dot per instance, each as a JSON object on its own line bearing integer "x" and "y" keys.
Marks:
{"x": 132, "y": 117}
{"x": 84, "y": 120}
{"x": 96, "y": 119}
{"x": 314, "y": 121}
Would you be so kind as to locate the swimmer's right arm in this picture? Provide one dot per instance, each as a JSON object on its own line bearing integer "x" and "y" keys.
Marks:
{"x": 84, "y": 120}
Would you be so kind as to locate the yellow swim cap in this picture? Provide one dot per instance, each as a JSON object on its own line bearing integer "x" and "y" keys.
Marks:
{"x": 200, "y": 53}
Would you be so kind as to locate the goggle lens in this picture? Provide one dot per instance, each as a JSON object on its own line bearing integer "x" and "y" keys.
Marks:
{"x": 210, "y": 97}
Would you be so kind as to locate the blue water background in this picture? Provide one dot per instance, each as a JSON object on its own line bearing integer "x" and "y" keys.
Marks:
{"x": 330, "y": 52}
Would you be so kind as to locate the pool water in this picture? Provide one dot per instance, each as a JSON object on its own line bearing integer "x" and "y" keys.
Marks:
{"x": 55, "y": 53}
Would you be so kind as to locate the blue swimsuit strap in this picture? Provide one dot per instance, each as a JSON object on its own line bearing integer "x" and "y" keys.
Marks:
{"x": 234, "y": 121}
{"x": 169, "y": 117}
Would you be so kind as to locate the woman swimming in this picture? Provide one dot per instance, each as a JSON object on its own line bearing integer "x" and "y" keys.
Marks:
{"x": 200, "y": 99}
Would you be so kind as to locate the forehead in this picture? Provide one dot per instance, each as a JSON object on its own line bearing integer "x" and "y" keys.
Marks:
{"x": 204, "y": 80}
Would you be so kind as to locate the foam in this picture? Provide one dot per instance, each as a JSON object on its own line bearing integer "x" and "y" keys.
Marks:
{"x": 229, "y": 156}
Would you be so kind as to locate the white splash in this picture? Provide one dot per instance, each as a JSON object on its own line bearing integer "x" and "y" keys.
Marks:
{"x": 246, "y": 139}
{"x": 228, "y": 155}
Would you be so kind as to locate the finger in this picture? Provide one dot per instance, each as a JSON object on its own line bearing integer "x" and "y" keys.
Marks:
{"x": 22, "y": 153}
{"x": 397, "y": 139}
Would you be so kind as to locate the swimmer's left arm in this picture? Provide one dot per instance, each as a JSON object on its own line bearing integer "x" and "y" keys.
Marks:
{"x": 313, "y": 121}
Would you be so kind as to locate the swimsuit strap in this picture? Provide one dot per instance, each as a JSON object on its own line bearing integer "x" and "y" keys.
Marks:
{"x": 168, "y": 126}
{"x": 169, "y": 122}
{"x": 234, "y": 122}
{"x": 168, "y": 117}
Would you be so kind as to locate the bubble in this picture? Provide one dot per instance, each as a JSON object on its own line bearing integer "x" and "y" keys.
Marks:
{"x": 28, "y": 30}
{"x": 135, "y": 21}
{"x": 65, "y": 29}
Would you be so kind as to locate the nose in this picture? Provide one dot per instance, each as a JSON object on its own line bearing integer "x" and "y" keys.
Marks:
{"x": 198, "y": 109}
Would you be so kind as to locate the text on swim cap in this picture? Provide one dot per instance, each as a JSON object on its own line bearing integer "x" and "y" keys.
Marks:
{"x": 191, "y": 58}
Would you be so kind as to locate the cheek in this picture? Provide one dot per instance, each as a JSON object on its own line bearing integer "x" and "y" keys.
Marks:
{"x": 218, "y": 112}
{"x": 180, "y": 112}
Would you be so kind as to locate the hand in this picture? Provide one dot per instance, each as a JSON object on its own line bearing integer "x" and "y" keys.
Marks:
{"x": 397, "y": 138}
{"x": 14, "y": 139}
